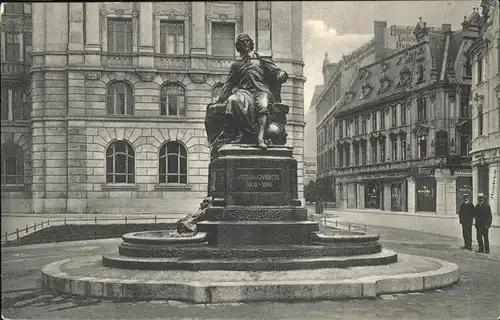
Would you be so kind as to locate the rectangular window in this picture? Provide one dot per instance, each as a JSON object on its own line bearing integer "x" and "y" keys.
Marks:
{"x": 422, "y": 109}
{"x": 348, "y": 155}
{"x": 394, "y": 114}
{"x": 28, "y": 43}
{"x": 464, "y": 105}
{"x": 480, "y": 122}
{"x": 479, "y": 70}
{"x": 403, "y": 148}
{"x": 467, "y": 68}
{"x": 5, "y": 103}
{"x": 422, "y": 147}
{"x": 333, "y": 157}
{"x": 403, "y": 114}
{"x": 13, "y": 47}
{"x": 464, "y": 144}
{"x": 394, "y": 143}
{"x": 356, "y": 154}
{"x": 356, "y": 125}
{"x": 363, "y": 152}
{"x": 341, "y": 156}
{"x": 172, "y": 37}
{"x": 382, "y": 151}
{"x": 348, "y": 128}
{"x": 15, "y": 8}
{"x": 223, "y": 39}
{"x": 382, "y": 120}
{"x": 120, "y": 35}
{"x": 374, "y": 121}
{"x": 363, "y": 124}
{"x": 341, "y": 129}
{"x": 374, "y": 151}
{"x": 17, "y": 104}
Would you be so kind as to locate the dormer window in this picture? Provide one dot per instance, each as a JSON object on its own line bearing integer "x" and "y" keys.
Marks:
{"x": 420, "y": 73}
{"x": 349, "y": 96}
{"x": 384, "y": 66}
{"x": 366, "y": 89}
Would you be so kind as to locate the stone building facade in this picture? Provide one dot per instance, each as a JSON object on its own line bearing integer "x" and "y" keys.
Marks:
{"x": 15, "y": 40}
{"x": 119, "y": 91}
{"x": 399, "y": 135}
{"x": 484, "y": 55}
{"x": 337, "y": 77}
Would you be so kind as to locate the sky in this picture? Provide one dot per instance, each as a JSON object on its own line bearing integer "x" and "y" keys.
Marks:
{"x": 339, "y": 27}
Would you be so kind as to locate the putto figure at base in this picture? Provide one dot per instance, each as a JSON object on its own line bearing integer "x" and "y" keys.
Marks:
{"x": 249, "y": 109}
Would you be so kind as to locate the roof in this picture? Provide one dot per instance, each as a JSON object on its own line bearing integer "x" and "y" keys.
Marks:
{"x": 394, "y": 74}
{"x": 317, "y": 91}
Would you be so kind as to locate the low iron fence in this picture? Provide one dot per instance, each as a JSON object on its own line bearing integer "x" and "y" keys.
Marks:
{"x": 21, "y": 232}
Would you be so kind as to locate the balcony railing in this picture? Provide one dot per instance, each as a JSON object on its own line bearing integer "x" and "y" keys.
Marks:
{"x": 15, "y": 69}
{"x": 119, "y": 60}
{"x": 219, "y": 63}
{"x": 172, "y": 62}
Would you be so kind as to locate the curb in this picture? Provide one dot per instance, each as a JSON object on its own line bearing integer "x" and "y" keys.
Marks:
{"x": 218, "y": 292}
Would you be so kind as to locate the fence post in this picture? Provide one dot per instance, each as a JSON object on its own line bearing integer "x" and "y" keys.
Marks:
{"x": 336, "y": 222}
{"x": 64, "y": 221}
{"x": 26, "y": 229}
{"x": 42, "y": 224}
{"x": 6, "y": 236}
{"x": 155, "y": 218}
{"x": 95, "y": 219}
{"x": 125, "y": 219}
{"x": 34, "y": 226}
{"x": 349, "y": 225}
{"x": 17, "y": 232}
{"x": 48, "y": 222}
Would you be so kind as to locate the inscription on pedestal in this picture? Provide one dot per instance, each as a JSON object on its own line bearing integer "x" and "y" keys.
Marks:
{"x": 258, "y": 180}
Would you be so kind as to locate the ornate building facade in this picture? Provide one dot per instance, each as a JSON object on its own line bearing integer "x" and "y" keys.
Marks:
{"x": 484, "y": 55}
{"x": 119, "y": 91}
{"x": 398, "y": 138}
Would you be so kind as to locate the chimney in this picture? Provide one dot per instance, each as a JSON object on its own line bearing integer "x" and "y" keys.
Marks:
{"x": 379, "y": 31}
{"x": 446, "y": 28}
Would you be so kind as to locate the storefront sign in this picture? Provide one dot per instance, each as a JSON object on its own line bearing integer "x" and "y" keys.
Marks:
{"x": 493, "y": 184}
{"x": 402, "y": 37}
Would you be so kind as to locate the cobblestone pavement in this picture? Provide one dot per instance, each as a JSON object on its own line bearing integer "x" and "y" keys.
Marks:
{"x": 474, "y": 297}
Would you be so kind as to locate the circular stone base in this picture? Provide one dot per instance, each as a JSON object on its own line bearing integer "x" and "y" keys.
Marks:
{"x": 88, "y": 277}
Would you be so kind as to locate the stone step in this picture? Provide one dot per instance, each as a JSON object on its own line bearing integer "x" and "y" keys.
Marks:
{"x": 199, "y": 251}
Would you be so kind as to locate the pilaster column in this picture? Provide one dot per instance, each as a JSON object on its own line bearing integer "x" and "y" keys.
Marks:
{"x": 475, "y": 182}
{"x": 412, "y": 199}
{"x": 21, "y": 46}
{"x": 76, "y": 27}
{"x": 146, "y": 45}
{"x": 58, "y": 14}
{"x": 361, "y": 195}
{"x": 92, "y": 35}
{"x": 39, "y": 26}
{"x": 387, "y": 196}
{"x": 249, "y": 18}
{"x": 2, "y": 43}
{"x": 446, "y": 186}
{"x": 199, "y": 27}
{"x": 9, "y": 105}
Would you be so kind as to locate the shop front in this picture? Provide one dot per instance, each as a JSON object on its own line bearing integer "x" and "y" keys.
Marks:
{"x": 373, "y": 195}
{"x": 426, "y": 194}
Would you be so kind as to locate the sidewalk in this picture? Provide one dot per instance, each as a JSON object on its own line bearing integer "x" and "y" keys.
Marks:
{"x": 435, "y": 224}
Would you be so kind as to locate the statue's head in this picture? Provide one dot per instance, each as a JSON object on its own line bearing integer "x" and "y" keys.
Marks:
{"x": 244, "y": 43}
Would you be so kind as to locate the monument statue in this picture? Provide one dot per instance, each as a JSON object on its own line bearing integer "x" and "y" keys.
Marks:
{"x": 248, "y": 109}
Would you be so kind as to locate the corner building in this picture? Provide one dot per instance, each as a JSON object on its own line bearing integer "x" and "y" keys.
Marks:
{"x": 484, "y": 55}
{"x": 401, "y": 131}
{"x": 119, "y": 92}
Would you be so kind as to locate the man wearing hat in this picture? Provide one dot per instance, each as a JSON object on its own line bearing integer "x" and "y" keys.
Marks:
{"x": 466, "y": 216}
{"x": 483, "y": 219}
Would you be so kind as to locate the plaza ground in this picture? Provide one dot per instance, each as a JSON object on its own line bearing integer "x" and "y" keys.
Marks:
{"x": 474, "y": 297}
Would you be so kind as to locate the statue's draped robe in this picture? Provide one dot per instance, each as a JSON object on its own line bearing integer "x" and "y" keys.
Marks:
{"x": 246, "y": 76}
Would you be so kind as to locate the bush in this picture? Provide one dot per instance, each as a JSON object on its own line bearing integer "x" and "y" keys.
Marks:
{"x": 310, "y": 192}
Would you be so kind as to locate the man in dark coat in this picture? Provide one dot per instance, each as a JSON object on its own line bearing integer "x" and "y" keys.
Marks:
{"x": 483, "y": 219}
{"x": 466, "y": 216}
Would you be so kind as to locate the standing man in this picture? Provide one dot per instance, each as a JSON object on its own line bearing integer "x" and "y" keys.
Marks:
{"x": 466, "y": 216}
{"x": 483, "y": 223}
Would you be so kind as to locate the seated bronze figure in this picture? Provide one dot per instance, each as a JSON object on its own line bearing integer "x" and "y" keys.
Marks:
{"x": 248, "y": 109}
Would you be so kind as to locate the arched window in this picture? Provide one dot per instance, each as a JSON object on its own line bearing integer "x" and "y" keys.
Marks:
{"x": 12, "y": 164}
{"x": 216, "y": 91}
{"x": 120, "y": 163}
{"x": 172, "y": 100}
{"x": 120, "y": 100}
{"x": 173, "y": 163}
